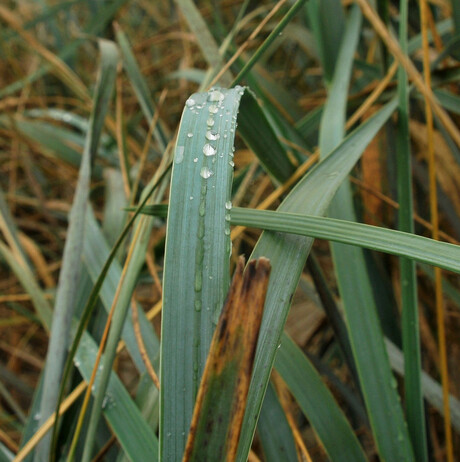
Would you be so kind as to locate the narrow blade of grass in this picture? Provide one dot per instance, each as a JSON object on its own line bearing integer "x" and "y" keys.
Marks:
{"x": 205, "y": 39}
{"x": 415, "y": 413}
{"x": 139, "y": 85}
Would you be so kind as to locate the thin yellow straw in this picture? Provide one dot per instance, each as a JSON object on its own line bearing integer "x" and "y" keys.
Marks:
{"x": 435, "y": 235}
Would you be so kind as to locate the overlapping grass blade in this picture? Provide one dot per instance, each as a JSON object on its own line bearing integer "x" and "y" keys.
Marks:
{"x": 95, "y": 254}
{"x": 415, "y": 414}
{"x": 139, "y": 85}
{"x": 407, "y": 245}
{"x": 318, "y": 404}
{"x": 288, "y": 254}
{"x": 205, "y": 39}
{"x": 422, "y": 249}
{"x": 68, "y": 279}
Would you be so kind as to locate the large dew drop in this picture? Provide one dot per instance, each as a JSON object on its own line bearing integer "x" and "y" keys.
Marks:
{"x": 206, "y": 173}
{"x": 215, "y": 95}
{"x": 213, "y": 109}
{"x": 190, "y": 103}
{"x": 212, "y": 135}
{"x": 209, "y": 150}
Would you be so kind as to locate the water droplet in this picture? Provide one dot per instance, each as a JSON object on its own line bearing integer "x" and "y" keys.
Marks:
{"x": 209, "y": 150}
{"x": 190, "y": 103}
{"x": 169, "y": 434}
{"x": 213, "y": 109}
{"x": 215, "y": 95}
{"x": 227, "y": 217}
{"x": 195, "y": 160}
{"x": 228, "y": 205}
{"x": 191, "y": 198}
{"x": 227, "y": 231}
{"x": 198, "y": 281}
{"x": 202, "y": 209}
{"x": 212, "y": 135}
{"x": 189, "y": 135}
{"x": 231, "y": 163}
{"x": 210, "y": 121}
{"x": 179, "y": 157}
{"x": 206, "y": 173}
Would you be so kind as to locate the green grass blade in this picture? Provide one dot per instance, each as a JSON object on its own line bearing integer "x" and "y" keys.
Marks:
{"x": 95, "y": 254}
{"x": 287, "y": 255}
{"x": 432, "y": 390}
{"x": 317, "y": 403}
{"x": 196, "y": 273}
{"x": 132, "y": 431}
{"x": 415, "y": 413}
{"x": 399, "y": 243}
{"x": 422, "y": 249}
{"x": 140, "y": 86}
{"x": 71, "y": 262}
{"x": 258, "y": 134}
{"x": 91, "y": 303}
{"x": 327, "y": 22}
{"x": 376, "y": 379}
{"x": 274, "y": 431}
{"x": 205, "y": 39}
{"x": 377, "y": 382}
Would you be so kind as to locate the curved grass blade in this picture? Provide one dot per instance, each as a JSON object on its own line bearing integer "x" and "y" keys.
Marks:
{"x": 71, "y": 261}
{"x": 196, "y": 270}
{"x": 139, "y": 85}
{"x": 220, "y": 404}
{"x": 196, "y": 274}
{"x": 317, "y": 403}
